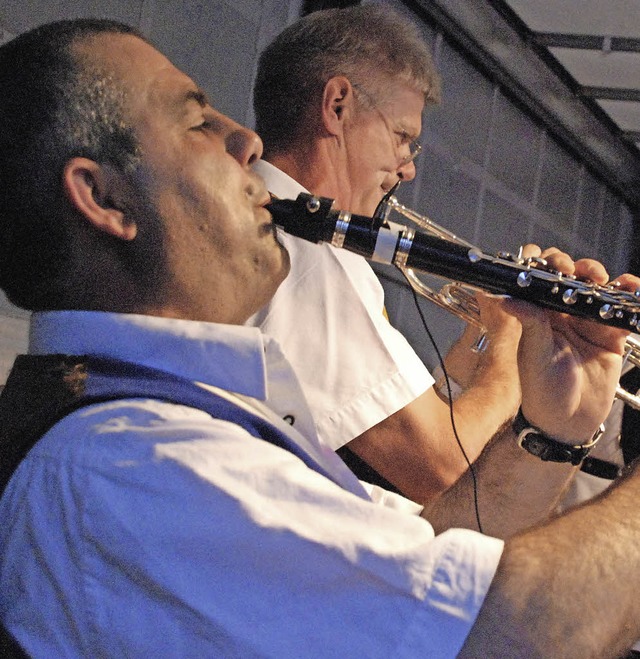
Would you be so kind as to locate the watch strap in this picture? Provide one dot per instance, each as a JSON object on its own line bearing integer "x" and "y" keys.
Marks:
{"x": 536, "y": 442}
{"x": 600, "y": 468}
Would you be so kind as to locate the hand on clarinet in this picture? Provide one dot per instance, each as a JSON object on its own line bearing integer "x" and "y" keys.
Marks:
{"x": 569, "y": 367}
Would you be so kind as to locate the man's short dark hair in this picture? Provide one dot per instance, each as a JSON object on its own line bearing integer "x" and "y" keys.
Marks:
{"x": 368, "y": 44}
{"x": 54, "y": 105}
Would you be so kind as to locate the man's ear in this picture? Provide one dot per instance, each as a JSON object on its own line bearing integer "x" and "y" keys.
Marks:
{"x": 91, "y": 189}
{"x": 337, "y": 103}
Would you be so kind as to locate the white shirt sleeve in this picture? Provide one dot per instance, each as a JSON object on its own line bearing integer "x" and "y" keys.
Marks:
{"x": 328, "y": 317}
{"x": 149, "y": 529}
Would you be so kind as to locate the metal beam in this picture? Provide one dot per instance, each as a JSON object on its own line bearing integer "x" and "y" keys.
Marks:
{"x": 611, "y": 93}
{"x": 510, "y": 56}
{"x": 588, "y": 42}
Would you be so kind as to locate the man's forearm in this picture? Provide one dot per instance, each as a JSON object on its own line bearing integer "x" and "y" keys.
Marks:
{"x": 568, "y": 588}
{"x": 490, "y": 401}
{"x": 515, "y": 489}
{"x": 416, "y": 448}
{"x": 490, "y": 383}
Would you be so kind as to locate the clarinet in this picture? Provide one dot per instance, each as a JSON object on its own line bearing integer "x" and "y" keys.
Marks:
{"x": 314, "y": 218}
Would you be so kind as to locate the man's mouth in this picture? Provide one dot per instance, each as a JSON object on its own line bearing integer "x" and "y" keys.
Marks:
{"x": 264, "y": 200}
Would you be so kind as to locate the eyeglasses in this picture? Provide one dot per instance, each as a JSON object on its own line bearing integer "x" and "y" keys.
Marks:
{"x": 397, "y": 135}
{"x": 414, "y": 150}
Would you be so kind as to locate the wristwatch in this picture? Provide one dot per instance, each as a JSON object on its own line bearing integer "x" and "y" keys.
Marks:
{"x": 546, "y": 448}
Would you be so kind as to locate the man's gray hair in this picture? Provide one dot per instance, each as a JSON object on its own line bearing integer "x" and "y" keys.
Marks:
{"x": 365, "y": 43}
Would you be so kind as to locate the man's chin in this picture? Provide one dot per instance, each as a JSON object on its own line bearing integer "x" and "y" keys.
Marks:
{"x": 286, "y": 262}
{"x": 374, "y": 201}
{"x": 366, "y": 208}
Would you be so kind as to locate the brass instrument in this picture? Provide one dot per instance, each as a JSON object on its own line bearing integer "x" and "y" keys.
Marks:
{"x": 437, "y": 251}
{"x": 460, "y": 301}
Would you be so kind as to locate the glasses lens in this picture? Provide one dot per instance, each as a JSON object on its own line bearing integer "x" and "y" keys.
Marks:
{"x": 414, "y": 149}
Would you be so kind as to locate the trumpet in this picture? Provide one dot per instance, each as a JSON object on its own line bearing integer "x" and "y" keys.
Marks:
{"x": 435, "y": 250}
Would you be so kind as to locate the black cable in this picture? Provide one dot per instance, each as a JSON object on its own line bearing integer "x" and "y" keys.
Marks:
{"x": 450, "y": 400}
{"x": 379, "y": 218}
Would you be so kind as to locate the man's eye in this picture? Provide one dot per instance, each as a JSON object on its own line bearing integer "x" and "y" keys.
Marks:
{"x": 204, "y": 126}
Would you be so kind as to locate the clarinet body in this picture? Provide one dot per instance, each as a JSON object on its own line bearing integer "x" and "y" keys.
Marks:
{"x": 315, "y": 219}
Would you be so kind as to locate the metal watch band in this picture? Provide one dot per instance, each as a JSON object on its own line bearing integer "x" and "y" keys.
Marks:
{"x": 546, "y": 448}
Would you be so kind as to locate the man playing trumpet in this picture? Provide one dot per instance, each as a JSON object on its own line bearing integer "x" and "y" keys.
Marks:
{"x": 338, "y": 99}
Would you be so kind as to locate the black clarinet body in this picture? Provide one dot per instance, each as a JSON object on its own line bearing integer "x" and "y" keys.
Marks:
{"x": 315, "y": 219}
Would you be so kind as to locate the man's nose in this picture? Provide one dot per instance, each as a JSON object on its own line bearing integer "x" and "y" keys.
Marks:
{"x": 243, "y": 144}
{"x": 407, "y": 172}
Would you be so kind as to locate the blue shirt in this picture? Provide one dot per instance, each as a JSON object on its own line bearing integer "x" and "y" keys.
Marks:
{"x": 143, "y": 528}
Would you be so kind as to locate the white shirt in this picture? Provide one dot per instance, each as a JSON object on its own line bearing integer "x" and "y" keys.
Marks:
{"x": 354, "y": 367}
{"x": 148, "y": 529}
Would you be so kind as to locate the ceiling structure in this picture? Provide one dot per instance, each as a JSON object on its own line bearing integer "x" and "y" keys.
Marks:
{"x": 575, "y": 64}
{"x": 598, "y": 43}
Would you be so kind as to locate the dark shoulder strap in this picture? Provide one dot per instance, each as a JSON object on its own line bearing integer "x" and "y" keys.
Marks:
{"x": 41, "y": 390}
{"x": 38, "y": 390}
{"x": 9, "y": 648}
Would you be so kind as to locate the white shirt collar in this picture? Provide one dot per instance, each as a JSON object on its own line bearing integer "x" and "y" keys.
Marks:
{"x": 227, "y": 356}
{"x": 278, "y": 183}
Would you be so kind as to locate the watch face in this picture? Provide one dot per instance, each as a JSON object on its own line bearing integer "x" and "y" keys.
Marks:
{"x": 535, "y": 444}
{"x": 551, "y": 450}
